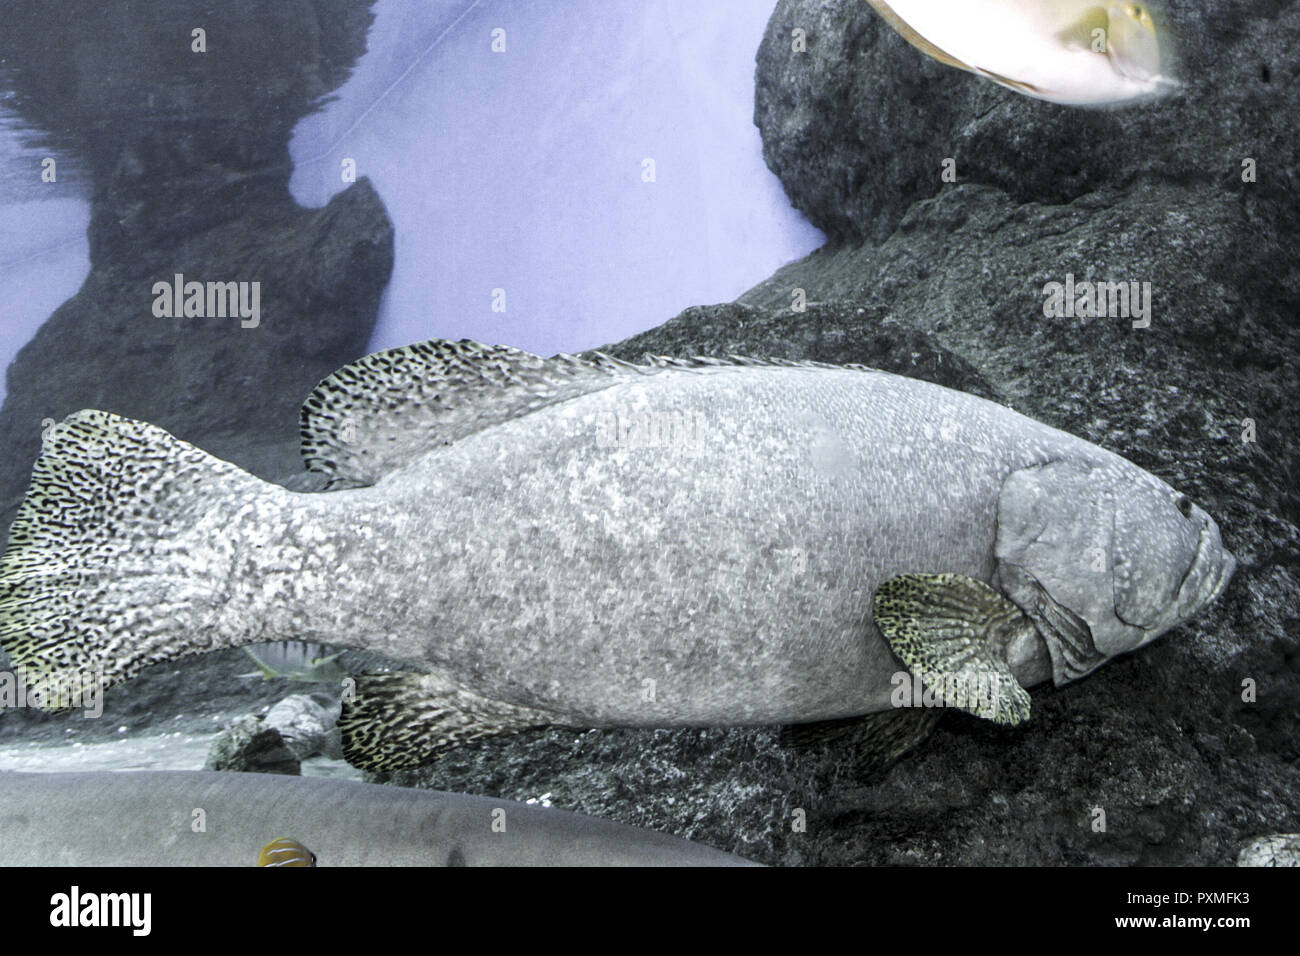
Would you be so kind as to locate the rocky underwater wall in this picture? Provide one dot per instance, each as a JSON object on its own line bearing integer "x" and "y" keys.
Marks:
{"x": 946, "y": 281}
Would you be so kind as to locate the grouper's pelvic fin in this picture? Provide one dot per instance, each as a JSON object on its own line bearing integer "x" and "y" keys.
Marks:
{"x": 101, "y": 576}
{"x": 876, "y": 740}
{"x": 386, "y": 409}
{"x": 398, "y": 720}
{"x": 949, "y": 630}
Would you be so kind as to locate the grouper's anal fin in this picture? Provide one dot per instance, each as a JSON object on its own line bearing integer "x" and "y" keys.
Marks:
{"x": 399, "y": 720}
{"x": 948, "y": 629}
{"x": 386, "y": 409}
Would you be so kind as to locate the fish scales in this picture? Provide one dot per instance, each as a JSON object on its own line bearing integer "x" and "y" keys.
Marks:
{"x": 535, "y": 566}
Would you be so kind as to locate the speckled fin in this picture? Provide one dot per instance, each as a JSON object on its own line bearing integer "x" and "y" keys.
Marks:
{"x": 386, "y": 409}
{"x": 903, "y": 29}
{"x": 395, "y": 721}
{"x": 945, "y": 629}
{"x": 91, "y": 589}
{"x": 877, "y": 739}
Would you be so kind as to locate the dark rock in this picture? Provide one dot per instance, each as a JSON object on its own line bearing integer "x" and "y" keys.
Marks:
{"x": 857, "y": 127}
{"x": 837, "y": 332}
{"x": 189, "y": 168}
{"x": 308, "y": 726}
{"x": 249, "y": 745}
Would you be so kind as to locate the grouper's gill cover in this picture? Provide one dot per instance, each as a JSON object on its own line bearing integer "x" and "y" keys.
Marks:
{"x": 1111, "y": 543}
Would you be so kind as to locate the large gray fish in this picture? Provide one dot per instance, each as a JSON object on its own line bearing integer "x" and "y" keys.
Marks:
{"x": 195, "y": 818}
{"x": 594, "y": 544}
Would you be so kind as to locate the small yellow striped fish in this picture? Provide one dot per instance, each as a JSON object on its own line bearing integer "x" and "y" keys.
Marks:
{"x": 1077, "y": 52}
{"x": 285, "y": 852}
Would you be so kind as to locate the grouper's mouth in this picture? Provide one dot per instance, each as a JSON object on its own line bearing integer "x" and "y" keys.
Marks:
{"x": 1208, "y": 575}
{"x": 1204, "y": 580}
{"x": 1227, "y": 568}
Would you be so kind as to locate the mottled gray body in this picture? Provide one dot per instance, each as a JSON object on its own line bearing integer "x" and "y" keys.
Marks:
{"x": 147, "y": 818}
{"x": 735, "y": 570}
{"x": 765, "y": 544}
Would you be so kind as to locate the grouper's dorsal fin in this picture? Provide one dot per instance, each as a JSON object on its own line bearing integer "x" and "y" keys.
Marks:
{"x": 385, "y": 409}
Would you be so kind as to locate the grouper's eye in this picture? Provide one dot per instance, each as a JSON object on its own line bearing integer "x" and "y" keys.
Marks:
{"x": 1185, "y": 505}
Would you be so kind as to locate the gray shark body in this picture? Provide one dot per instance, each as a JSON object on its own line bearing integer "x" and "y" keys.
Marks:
{"x": 596, "y": 544}
{"x": 195, "y": 818}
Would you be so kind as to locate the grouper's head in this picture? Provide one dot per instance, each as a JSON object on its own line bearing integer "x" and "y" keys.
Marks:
{"x": 1104, "y": 557}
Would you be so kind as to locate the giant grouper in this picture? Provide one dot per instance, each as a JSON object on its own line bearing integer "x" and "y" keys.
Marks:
{"x": 590, "y": 543}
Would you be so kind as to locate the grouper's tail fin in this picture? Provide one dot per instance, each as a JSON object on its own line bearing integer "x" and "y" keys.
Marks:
{"x": 100, "y": 577}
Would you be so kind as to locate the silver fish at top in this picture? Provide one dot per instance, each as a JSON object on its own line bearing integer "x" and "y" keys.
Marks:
{"x": 545, "y": 543}
{"x": 1076, "y": 52}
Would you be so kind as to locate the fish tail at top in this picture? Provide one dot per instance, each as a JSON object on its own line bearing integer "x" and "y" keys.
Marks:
{"x": 108, "y": 567}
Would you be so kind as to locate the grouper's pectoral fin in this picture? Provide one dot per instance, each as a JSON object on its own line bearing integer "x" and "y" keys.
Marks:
{"x": 877, "y": 739}
{"x": 947, "y": 629}
{"x": 395, "y": 721}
